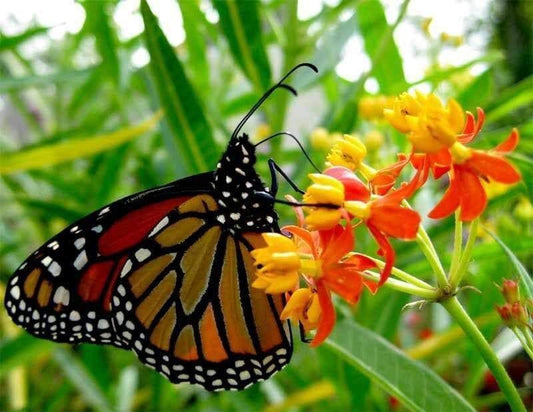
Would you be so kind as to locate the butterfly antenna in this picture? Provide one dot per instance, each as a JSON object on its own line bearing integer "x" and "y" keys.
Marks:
{"x": 297, "y": 142}
{"x": 279, "y": 85}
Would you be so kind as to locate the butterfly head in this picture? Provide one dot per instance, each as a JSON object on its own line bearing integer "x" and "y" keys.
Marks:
{"x": 235, "y": 185}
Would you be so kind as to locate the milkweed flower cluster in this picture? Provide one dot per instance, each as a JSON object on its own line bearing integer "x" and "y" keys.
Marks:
{"x": 315, "y": 259}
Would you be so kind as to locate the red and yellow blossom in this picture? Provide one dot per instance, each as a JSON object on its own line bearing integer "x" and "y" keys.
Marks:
{"x": 469, "y": 167}
{"x": 439, "y": 148}
{"x": 383, "y": 215}
{"x": 324, "y": 261}
{"x": 327, "y": 267}
{"x": 429, "y": 125}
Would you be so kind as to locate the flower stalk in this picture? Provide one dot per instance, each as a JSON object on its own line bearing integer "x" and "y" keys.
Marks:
{"x": 457, "y": 312}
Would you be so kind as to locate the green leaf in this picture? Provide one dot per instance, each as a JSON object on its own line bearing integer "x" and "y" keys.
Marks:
{"x": 515, "y": 97}
{"x": 416, "y": 387}
{"x": 195, "y": 40}
{"x": 127, "y": 385}
{"x": 71, "y": 149}
{"x": 82, "y": 380}
{"x": 240, "y": 23}
{"x": 8, "y": 84}
{"x": 477, "y": 92}
{"x": 22, "y": 350}
{"x": 386, "y": 61}
{"x": 182, "y": 109}
{"x": 520, "y": 269}
{"x": 99, "y": 24}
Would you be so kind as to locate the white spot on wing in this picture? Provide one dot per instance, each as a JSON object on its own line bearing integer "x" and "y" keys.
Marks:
{"x": 126, "y": 268}
{"x": 54, "y": 269}
{"x": 81, "y": 260}
{"x": 62, "y": 296}
{"x": 162, "y": 223}
{"x": 15, "y": 292}
{"x": 46, "y": 261}
{"x": 79, "y": 243}
{"x": 142, "y": 254}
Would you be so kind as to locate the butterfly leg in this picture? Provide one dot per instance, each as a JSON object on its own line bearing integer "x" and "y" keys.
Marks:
{"x": 303, "y": 338}
{"x": 273, "y": 166}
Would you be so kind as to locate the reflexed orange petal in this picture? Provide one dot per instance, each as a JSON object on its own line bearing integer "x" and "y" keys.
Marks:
{"x": 395, "y": 221}
{"x": 449, "y": 202}
{"x": 473, "y": 199}
{"x": 304, "y": 235}
{"x": 327, "y": 319}
{"x": 345, "y": 282}
{"x": 509, "y": 144}
{"x": 336, "y": 244}
{"x": 493, "y": 166}
{"x": 385, "y": 178}
{"x": 385, "y": 250}
{"x": 354, "y": 189}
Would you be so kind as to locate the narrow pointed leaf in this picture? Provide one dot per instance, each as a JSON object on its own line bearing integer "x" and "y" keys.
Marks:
{"x": 182, "y": 108}
{"x": 241, "y": 26}
{"x": 193, "y": 18}
{"x": 82, "y": 380}
{"x": 527, "y": 283}
{"x": 416, "y": 387}
{"x": 71, "y": 149}
{"x": 386, "y": 61}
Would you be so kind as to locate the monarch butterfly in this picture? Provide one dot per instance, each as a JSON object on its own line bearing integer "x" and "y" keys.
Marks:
{"x": 167, "y": 273}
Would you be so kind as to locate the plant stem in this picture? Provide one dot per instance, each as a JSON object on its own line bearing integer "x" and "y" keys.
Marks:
{"x": 457, "y": 245}
{"x": 457, "y": 312}
{"x": 457, "y": 276}
{"x": 400, "y": 274}
{"x": 425, "y": 244}
{"x": 403, "y": 286}
{"x": 525, "y": 340}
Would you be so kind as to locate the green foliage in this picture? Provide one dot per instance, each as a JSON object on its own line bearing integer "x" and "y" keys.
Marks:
{"x": 84, "y": 121}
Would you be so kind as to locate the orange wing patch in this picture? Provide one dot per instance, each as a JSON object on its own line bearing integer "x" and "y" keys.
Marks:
{"x": 185, "y": 348}
{"x": 212, "y": 347}
{"x": 142, "y": 278}
{"x": 163, "y": 331}
{"x": 200, "y": 203}
{"x": 230, "y": 301}
{"x": 179, "y": 231}
{"x": 196, "y": 265}
{"x": 43, "y": 296}
{"x": 152, "y": 304}
{"x": 31, "y": 282}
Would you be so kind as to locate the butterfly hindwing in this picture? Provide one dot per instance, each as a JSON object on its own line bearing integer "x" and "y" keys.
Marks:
{"x": 187, "y": 307}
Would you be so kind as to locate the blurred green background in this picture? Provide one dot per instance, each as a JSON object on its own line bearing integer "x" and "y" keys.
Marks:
{"x": 80, "y": 85}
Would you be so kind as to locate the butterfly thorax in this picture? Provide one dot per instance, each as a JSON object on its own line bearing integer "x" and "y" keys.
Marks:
{"x": 236, "y": 185}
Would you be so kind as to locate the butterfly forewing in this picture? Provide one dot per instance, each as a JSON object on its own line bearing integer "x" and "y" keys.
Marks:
{"x": 63, "y": 290}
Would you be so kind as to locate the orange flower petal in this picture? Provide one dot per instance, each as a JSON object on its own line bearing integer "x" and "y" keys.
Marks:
{"x": 395, "y": 221}
{"x": 304, "y": 235}
{"x": 385, "y": 178}
{"x": 509, "y": 144}
{"x": 493, "y": 166}
{"x": 385, "y": 250}
{"x": 473, "y": 196}
{"x": 327, "y": 318}
{"x": 449, "y": 202}
{"x": 336, "y": 243}
{"x": 345, "y": 282}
